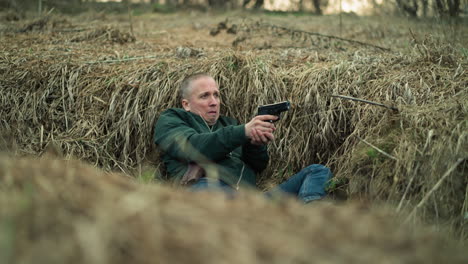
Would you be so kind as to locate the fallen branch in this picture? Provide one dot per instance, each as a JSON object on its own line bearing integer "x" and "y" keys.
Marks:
{"x": 294, "y": 31}
{"x": 121, "y": 60}
{"x": 376, "y": 148}
{"x": 436, "y": 186}
{"x": 65, "y": 30}
{"x": 365, "y": 101}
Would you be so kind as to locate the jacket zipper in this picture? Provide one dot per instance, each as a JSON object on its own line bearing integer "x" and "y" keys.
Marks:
{"x": 240, "y": 178}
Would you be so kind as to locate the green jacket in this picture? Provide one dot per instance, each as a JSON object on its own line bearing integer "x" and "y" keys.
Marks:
{"x": 223, "y": 150}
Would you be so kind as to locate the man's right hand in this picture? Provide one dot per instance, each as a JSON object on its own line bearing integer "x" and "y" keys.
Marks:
{"x": 260, "y": 132}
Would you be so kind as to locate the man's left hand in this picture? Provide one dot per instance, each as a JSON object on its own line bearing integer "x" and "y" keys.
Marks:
{"x": 261, "y": 138}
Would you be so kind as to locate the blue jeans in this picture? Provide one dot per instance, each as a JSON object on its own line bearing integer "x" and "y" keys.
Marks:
{"x": 307, "y": 185}
{"x": 206, "y": 184}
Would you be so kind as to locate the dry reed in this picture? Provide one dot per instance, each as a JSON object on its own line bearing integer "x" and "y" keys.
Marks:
{"x": 104, "y": 113}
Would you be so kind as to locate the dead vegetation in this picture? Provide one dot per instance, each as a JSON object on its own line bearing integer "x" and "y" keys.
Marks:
{"x": 68, "y": 95}
{"x": 106, "y": 34}
{"x": 54, "y": 211}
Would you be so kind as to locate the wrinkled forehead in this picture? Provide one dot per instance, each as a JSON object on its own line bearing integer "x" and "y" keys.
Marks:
{"x": 202, "y": 85}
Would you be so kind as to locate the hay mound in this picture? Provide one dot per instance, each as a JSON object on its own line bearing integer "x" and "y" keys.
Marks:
{"x": 56, "y": 211}
{"x": 106, "y": 34}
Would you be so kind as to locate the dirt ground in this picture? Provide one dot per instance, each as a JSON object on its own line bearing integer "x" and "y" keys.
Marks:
{"x": 163, "y": 33}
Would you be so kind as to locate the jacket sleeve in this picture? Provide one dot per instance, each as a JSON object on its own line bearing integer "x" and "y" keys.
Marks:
{"x": 255, "y": 156}
{"x": 179, "y": 140}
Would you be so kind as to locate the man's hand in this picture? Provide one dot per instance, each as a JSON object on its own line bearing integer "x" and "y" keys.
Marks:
{"x": 261, "y": 138}
{"x": 260, "y": 132}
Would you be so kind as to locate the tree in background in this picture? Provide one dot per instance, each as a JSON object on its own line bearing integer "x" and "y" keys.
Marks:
{"x": 450, "y": 8}
{"x": 20, "y": 6}
{"x": 409, "y": 7}
{"x": 258, "y": 3}
{"x": 444, "y": 8}
{"x": 425, "y": 5}
{"x": 218, "y": 3}
{"x": 316, "y": 3}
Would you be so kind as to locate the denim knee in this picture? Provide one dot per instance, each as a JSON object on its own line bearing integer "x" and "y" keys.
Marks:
{"x": 320, "y": 170}
{"x": 314, "y": 185}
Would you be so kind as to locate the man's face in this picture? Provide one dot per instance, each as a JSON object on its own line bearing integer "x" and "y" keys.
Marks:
{"x": 203, "y": 99}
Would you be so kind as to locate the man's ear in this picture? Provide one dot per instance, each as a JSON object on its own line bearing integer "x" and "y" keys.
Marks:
{"x": 186, "y": 105}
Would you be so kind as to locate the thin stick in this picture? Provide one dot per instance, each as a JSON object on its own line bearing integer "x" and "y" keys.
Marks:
{"x": 418, "y": 45}
{"x": 121, "y": 60}
{"x": 341, "y": 21}
{"x": 400, "y": 204}
{"x": 436, "y": 186}
{"x": 42, "y": 135}
{"x": 130, "y": 18}
{"x": 365, "y": 101}
{"x": 376, "y": 148}
{"x": 70, "y": 30}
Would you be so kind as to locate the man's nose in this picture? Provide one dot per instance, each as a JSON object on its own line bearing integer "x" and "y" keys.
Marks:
{"x": 213, "y": 100}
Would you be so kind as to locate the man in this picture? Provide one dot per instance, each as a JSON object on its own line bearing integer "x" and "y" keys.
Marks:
{"x": 206, "y": 151}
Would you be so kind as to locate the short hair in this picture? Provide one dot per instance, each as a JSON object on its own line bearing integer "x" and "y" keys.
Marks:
{"x": 186, "y": 84}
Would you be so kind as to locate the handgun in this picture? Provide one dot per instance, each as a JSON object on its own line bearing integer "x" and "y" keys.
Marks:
{"x": 274, "y": 109}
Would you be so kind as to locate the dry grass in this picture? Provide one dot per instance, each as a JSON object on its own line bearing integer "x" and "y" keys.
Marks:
{"x": 98, "y": 100}
{"x": 54, "y": 211}
{"x": 105, "y": 34}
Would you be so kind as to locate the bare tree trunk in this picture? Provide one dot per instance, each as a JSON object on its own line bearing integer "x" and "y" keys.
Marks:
{"x": 440, "y": 7}
{"x": 317, "y": 7}
{"x": 454, "y": 8}
{"x": 448, "y": 7}
{"x": 301, "y": 5}
{"x": 258, "y": 4}
{"x": 410, "y": 10}
{"x": 425, "y": 5}
{"x": 217, "y": 3}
